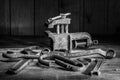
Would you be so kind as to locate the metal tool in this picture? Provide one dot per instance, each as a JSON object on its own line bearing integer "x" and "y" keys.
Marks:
{"x": 110, "y": 54}
{"x": 66, "y": 65}
{"x": 23, "y": 63}
{"x": 93, "y": 67}
{"x": 90, "y": 67}
{"x": 58, "y": 17}
{"x": 85, "y": 61}
{"x": 12, "y": 56}
{"x": 62, "y": 39}
{"x": 96, "y": 71}
{"x": 58, "y": 57}
{"x": 19, "y": 66}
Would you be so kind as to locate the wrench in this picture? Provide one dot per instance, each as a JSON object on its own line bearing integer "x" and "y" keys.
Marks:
{"x": 22, "y": 64}
{"x": 66, "y": 65}
{"x": 19, "y": 66}
{"x": 94, "y": 66}
{"x": 96, "y": 71}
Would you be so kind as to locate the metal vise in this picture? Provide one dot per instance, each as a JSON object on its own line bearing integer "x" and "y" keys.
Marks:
{"x": 62, "y": 39}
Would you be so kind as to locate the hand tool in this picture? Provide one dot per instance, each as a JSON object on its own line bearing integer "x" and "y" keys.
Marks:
{"x": 66, "y": 60}
{"x": 90, "y": 67}
{"x": 93, "y": 67}
{"x": 66, "y": 65}
{"x": 96, "y": 71}
{"x": 19, "y": 66}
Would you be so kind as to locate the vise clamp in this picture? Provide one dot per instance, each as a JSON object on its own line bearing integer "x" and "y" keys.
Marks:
{"x": 62, "y": 39}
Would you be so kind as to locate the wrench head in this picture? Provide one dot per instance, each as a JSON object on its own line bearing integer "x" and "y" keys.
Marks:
{"x": 95, "y": 73}
{"x": 110, "y": 54}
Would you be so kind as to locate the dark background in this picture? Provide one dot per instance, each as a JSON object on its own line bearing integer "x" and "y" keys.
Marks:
{"x": 27, "y": 17}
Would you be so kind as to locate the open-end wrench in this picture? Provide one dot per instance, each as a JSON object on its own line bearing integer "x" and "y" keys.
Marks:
{"x": 90, "y": 67}
{"x": 93, "y": 67}
{"x": 96, "y": 71}
{"x": 19, "y": 66}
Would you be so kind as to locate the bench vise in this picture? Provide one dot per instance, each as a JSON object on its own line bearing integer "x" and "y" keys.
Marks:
{"x": 62, "y": 39}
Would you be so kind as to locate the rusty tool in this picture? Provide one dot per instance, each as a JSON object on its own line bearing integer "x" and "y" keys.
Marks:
{"x": 66, "y": 60}
{"x": 45, "y": 63}
{"x": 85, "y": 61}
{"x": 93, "y": 67}
{"x": 22, "y": 64}
{"x": 96, "y": 71}
{"x": 66, "y": 65}
{"x": 14, "y": 55}
{"x": 90, "y": 67}
{"x": 58, "y": 17}
{"x": 19, "y": 66}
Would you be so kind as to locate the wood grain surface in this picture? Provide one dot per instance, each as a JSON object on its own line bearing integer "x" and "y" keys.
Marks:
{"x": 110, "y": 70}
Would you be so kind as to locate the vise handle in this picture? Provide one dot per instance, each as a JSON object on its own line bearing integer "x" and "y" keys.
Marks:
{"x": 58, "y": 17}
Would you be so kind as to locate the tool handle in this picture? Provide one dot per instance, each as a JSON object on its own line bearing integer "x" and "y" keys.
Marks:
{"x": 58, "y": 17}
{"x": 19, "y": 66}
{"x": 66, "y": 60}
{"x": 66, "y": 65}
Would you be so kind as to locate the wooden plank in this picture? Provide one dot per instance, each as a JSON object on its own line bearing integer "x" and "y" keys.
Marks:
{"x": 95, "y": 17}
{"x": 2, "y": 23}
{"x": 7, "y": 17}
{"x": 44, "y": 9}
{"x": 114, "y": 17}
{"x": 4, "y": 17}
{"x": 72, "y": 6}
{"x": 22, "y": 17}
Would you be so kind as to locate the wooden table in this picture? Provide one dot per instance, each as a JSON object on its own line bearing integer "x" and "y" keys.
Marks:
{"x": 110, "y": 70}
